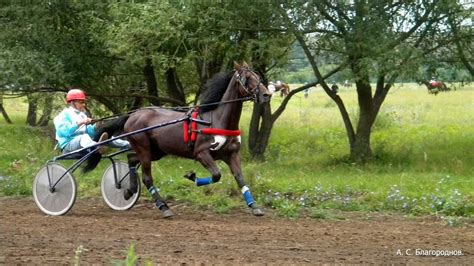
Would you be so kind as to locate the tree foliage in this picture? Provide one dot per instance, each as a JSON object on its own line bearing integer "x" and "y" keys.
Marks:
{"x": 127, "y": 55}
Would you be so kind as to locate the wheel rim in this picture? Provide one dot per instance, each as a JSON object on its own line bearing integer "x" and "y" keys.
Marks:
{"x": 113, "y": 196}
{"x": 61, "y": 200}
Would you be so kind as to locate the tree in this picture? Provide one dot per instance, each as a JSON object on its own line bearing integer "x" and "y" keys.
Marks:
{"x": 141, "y": 50}
{"x": 461, "y": 27}
{"x": 375, "y": 40}
{"x": 46, "y": 48}
{"x": 258, "y": 38}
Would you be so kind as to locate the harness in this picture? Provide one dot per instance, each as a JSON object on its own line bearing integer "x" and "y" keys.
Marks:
{"x": 190, "y": 129}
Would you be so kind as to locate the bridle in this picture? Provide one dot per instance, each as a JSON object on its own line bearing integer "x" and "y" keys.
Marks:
{"x": 243, "y": 82}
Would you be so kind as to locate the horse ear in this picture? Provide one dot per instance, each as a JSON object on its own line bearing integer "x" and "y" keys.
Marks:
{"x": 237, "y": 66}
{"x": 244, "y": 64}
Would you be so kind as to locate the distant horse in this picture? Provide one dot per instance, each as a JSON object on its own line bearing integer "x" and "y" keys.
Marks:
{"x": 192, "y": 138}
{"x": 434, "y": 87}
{"x": 282, "y": 87}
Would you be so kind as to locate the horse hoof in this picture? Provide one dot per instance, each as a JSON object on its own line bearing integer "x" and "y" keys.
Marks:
{"x": 191, "y": 175}
{"x": 257, "y": 212}
{"x": 127, "y": 194}
{"x": 167, "y": 213}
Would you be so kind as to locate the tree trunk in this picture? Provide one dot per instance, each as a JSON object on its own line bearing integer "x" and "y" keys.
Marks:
{"x": 5, "y": 115}
{"x": 261, "y": 125}
{"x": 4, "y": 112}
{"x": 46, "y": 116}
{"x": 360, "y": 149}
{"x": 32, "y": 108}
{"x": 174, "y": 87}
{"x": 150, "y": 79}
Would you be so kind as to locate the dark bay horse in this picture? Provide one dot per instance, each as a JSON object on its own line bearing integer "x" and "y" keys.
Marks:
{"x": 215, "y": 135}
{"x": 282, "y": 87}
{"x": 434, "y": 87}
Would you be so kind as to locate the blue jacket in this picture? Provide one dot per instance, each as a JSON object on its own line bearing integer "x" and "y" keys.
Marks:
{"x": 66, "y": 126}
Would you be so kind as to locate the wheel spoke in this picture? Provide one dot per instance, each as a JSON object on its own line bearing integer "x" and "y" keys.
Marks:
{"x": 114, "y": 197}
{"x": 62, "y": 199}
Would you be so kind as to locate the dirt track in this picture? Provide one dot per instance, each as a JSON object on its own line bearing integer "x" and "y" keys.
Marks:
{"x": 192, "y": 237}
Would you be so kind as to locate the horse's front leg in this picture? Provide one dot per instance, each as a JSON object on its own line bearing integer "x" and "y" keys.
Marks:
{"x": 235, "y": 167}
{"x": 208, "y": 162}
{"x": 154, "y": 192}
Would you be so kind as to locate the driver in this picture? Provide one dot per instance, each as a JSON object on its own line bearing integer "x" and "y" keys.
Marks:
{"x": 73, "y": 128}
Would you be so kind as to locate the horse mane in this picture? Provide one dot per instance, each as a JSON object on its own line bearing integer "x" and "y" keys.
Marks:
{"x": 214, "y": 90}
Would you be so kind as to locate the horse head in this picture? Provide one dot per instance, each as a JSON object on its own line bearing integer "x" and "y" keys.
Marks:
{"x": 251, "y": 84}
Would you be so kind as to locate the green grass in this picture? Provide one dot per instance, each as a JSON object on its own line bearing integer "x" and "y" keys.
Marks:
{"x": 422, "y": 144}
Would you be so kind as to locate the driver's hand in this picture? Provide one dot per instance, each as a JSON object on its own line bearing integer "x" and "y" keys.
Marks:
{"x": 84, "y": 121}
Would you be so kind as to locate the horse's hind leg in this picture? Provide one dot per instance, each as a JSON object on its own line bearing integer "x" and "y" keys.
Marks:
{"x": 154, "y": 192}
{"x": 145, "y": 160}
{"x": 235, "y": 168}
{"x": 132, "y": 166}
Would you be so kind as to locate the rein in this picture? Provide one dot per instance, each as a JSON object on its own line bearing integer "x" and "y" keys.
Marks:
{"x": 241, "y": 79}
{"x": 244, "y": 99}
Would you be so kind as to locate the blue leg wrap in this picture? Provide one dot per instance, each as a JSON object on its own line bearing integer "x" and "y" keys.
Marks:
{"x": 247, "y": 195}
{"x": 203, "y": 181}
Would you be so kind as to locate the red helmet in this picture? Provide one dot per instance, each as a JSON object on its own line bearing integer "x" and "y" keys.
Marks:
{"x": 75, "y": 94}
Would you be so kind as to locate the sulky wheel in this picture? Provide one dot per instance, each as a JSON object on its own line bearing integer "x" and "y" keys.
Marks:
{"x": 54, "y": 189}
{"x": 112, "y": 194}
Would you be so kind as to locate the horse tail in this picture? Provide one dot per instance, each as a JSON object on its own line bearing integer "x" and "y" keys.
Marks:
{"x": 92, "y": 162}
{"x": 111, "y": 127}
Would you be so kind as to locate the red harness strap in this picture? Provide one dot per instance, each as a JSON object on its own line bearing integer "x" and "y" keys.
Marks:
{"x": 185, "y": 132}
{"x": 191, "y": 135}
{"x": 218, "y": 131}
{"x": 194, "y": 126}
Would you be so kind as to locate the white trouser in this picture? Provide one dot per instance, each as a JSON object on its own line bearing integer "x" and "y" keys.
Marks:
{"x": 84, "y": 140}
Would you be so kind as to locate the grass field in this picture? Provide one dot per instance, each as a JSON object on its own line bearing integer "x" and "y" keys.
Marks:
{"x": 423, "y": 146}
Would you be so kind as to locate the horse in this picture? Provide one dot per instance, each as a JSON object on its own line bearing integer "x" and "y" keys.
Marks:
{"x": 282, "y": 87}
{"x": 434, "y": 87}
{"x": 191, "y": 137}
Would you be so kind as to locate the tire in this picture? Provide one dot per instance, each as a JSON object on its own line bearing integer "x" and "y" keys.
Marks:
{"x": 59, "y": 201}
{"x": 112, "y": 195}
